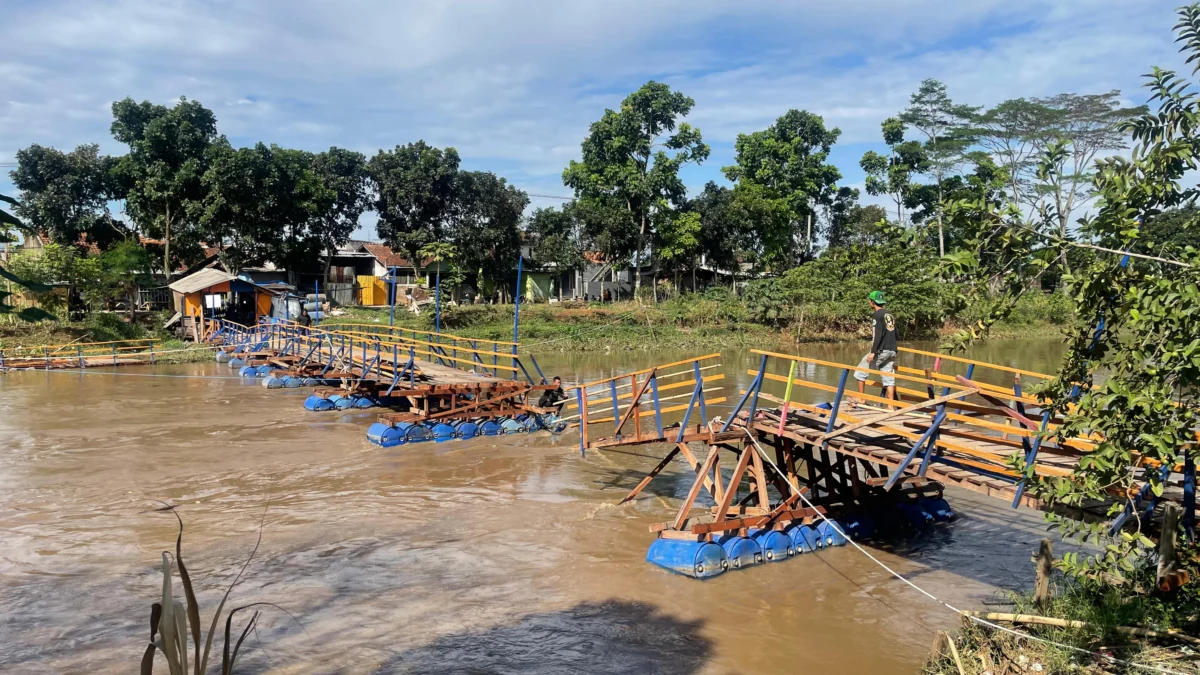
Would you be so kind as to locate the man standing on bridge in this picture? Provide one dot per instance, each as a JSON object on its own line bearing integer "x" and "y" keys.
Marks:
{"x": 883, "y": 347}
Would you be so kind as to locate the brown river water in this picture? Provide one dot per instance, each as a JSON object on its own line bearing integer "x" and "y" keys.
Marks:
{"x": 493, "y": 555}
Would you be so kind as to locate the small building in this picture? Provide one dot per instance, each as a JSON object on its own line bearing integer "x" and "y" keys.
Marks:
{"x": 212, "y": 293}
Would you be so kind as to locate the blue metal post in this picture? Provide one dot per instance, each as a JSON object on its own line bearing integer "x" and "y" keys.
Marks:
{"x": 837, "y": 404}
{"x": 392, "y": 300}
{"x": 317, "y": 297}
{"x": 1189, "y": 497}
{"x": 752, "y": 394}
{"x": 517, "y": 312}
{"x": 582, "y": 421}
{"x": 537, "y": 368}
{"x": 612, "y": 385}
{"x": 697, "y": 396}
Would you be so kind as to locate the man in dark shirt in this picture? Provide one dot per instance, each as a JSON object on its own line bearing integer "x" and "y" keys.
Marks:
{"x": 304, "y": 320}
{"x": 552, "y": 397}
{"x": 883, "y": 346}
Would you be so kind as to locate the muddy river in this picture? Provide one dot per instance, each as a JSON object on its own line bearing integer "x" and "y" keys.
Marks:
{"x": 493, "y": 555}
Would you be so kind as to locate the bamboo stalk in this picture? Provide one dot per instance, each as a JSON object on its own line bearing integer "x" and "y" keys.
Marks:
{"x": 1068, "y": 623}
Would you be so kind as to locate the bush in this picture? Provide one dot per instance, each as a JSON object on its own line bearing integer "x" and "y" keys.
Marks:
{"x": 105, "y": 327}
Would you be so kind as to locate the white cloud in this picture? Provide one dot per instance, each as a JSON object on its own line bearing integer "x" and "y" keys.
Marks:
{"x": 513, "y": 85}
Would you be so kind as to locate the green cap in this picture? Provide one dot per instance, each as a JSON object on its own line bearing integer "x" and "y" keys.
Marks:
{"x": 877, "y": 297}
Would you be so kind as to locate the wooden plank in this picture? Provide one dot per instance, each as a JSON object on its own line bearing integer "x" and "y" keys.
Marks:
{"x": 701, "y": 479}
{"x": 896, "y": 413}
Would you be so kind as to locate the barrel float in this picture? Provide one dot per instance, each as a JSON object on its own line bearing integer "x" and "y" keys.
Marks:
{"x": 272, "y": 382}
{"x": 342, "y": 402}
{"x": 531, "y": 422}
{"x": 511, "y": 426}
{"x": 695, "y": 559}
{"x": 805, "y": 539}
{"x": 236, "y": 363}
{"x": 490, "y": 428}
{"x": 913, "y": 515}
{"x": 312, "y": 382}
{"x": 859, "y": 526}
{"x": 444, "y": 432}
{"x": 829, "y": 534}
{"x": 223, "y": 357}
{"x": 292, "y": 382}
{"x": 776, "y": 546}
{"x": 263, "y": 371}
{"x": 317, "y": 403}
{"x": 741, "y": 551}
{"x": 417, "y": 433}
{"x": 467, "y": 429}
{"x": 248, "y": 371}
{"x": 554, "y": 424}
{"x": 387, "y": 436}
{"x": 938, "y": 508}
{"x": 363, "y": 402}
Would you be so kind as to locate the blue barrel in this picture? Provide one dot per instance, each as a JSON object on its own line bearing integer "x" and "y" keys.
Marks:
{"x": 444, "y": 432}
{"x": 223, "y": 357}
{"x": 417, "y": 433}
{"x": 776, "y": 546}
{"x": 829, "y": 534}
{"x": 490, "y": 428}
{"x": 913, "y": 515}
{"x": 236, "y": 363}
{"x": 342, "y": 402}
{"x": 264, "y": 370}
{"x": 248, "y": 371}
{"x": 317, "y": 403}
{"x": 858, "y": 527}
{"x": 364, "y": 402}
{"x": 292, "y": 382}
{"x": 741, "y": 551}
{"x": 938, "y": 508}
{"x": 554, "y": 424}
{"x": 272, "y": 383}
{"x": 531, "y": 422}
{"x": 804, "y": 539}
{"x": 467, "y": 429}
{"x": 511, "y": 426}
{"x": 312, "y": 382}
{"x": 695, "y": 559}
{"x": 386, "y": 435}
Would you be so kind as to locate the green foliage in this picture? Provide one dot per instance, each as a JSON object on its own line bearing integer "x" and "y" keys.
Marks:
{"x": 414, "y": 188}
{"x": 1144, "y": 411}
{"x": 622, "y": 172}
{"x": 557, "y": 237}
{"x": 893, "y": 175}
{"x": 65, "y": 195}
{"x": 161, "y": 176}
{"x": 783, "y": 171}
{"x": 486, "y": 216}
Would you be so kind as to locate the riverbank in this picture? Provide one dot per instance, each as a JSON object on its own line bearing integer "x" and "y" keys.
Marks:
{"x": 691, "y": 322}
{"x": 20, "y": 339}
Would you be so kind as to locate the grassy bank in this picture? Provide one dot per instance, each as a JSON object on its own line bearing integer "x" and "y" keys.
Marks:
{"x": 688, "y": 322}
{"x": 1100, "y": 616}
{"x": 17, "y": 337}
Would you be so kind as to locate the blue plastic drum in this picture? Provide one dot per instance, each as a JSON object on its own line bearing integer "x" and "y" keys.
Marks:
{"x": 829, "y": 534}
{"x": 342, "y": 402}
{"x": 804, "y": 539}
{"x": 248, "y": 371}
{"x": 776, "y": 546}
{"x": 938, "y": 508}
{"x": 387, "y": 436}
{"x": 223, "y": 357}
{"x": 511, "y": 426}
{"x": 236, "y": 363}
{"x": 272, "y": 383}
{"x": 490, "y": 428}
{"x": 695, "y": 559}
{"x": 741, "y": 551}
{"x": 444, "y": 432}
{"x": 364, "y": 402}
{"x": 467, "y": 429}
{"x": 318, "y": 404}
{"x": 913, "y": 515}
{"x": 292, "y": 382}
{"x": 264, "y": 370}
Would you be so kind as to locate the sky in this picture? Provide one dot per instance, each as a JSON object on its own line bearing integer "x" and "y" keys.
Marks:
{"x": 514, "y": 84}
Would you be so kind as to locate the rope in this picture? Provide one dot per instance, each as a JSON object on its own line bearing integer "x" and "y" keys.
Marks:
{"x": 934, "y": 598}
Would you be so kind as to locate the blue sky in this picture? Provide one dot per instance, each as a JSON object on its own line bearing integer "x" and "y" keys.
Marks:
{"x": 514, "y": 84}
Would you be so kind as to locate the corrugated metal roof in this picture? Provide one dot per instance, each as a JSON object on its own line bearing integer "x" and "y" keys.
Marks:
{"x": 201, "y": 280}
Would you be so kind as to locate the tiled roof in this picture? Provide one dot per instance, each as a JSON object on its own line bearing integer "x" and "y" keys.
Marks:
{"x": 385, "y": 255}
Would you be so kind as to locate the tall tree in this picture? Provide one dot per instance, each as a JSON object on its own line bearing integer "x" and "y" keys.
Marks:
{"x": 620, "y": 163}
{"x": 161, "y": 174}
{"x": 725, "y": 234}
{"x": 557, "y": 237}
{"x": 785, "y": 169}
{"x": 65, "y": 194}
{"x": 946, "y": 126}
{"x": 679, "y": 241}
{"x": 893, "y": 175}
{"x": 1015, "y": 132}
{"x": 486, "y": 217}
{"x": 266, "y": 203}
{"x": 415, "y": 189}
{"x": 344, "y": 173}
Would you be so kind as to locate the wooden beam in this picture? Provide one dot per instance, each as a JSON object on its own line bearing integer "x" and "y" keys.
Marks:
{"x": 650, "y": 476}
{"x": 701, "y": 479}
{"x": 895, "y": 413}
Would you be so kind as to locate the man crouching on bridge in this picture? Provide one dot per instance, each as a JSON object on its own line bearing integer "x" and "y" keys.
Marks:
{"x": 883, "y": 347}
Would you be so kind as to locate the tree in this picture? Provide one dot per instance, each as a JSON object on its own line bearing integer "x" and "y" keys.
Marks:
{"x": 65, "y": 195}
{"x": 415, "y": 189}
{"x": 161, "y": 175}
{"x": 557, "y": 237}
{"x": 725, "y": 234}
{"x": 265, "y": 203}
{"x": 945, "y": 125}
{"x": 344, "y": 174}
{"x": 1140, "y": 322}
{"x": 785, "y": 166}
{"x": 893, "y": 175}
{"x": 852, "y": 224}
{"x": 620, "y": 165}
{"x": 484, "y": 225}
{"x": 679, "y": 241}
{"x": 1015, "y": 132}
